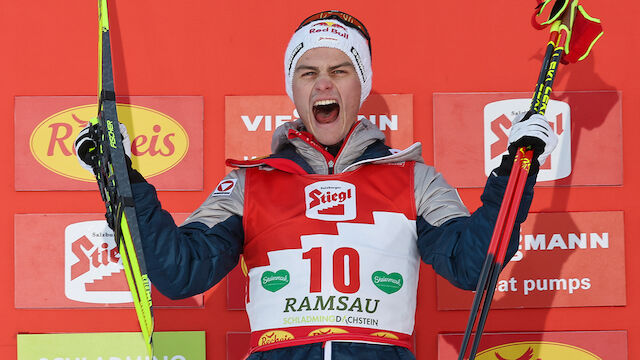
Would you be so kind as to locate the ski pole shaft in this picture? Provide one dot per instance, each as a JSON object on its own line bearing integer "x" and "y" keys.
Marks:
{"x": 493, "y": 257}
{"x": 489, "y": 262}
{"x": 521, "y": 174}
{"x": 537, "y": 100}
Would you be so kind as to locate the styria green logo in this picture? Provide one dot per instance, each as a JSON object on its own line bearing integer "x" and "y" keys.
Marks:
{"x": 274, "y": 281}
{"x": 388, "y": 283}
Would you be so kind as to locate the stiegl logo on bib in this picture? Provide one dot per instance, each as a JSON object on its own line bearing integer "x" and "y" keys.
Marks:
{"x": 330, "y": 200}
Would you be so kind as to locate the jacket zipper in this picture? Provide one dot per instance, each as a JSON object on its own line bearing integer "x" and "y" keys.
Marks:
{"x": 308, "y": 138}
{"x": 330, "y": 164}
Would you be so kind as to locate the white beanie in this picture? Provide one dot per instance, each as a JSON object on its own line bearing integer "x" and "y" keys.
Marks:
{"x": 332, "y": 34}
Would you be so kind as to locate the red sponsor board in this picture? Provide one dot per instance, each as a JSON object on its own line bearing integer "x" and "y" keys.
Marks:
{"x": 578, "y": 345}
{"x": 71, "y": 261}
{"x": 238, "y": 344}
{"x": 165, "y": 134}
{"x": 565, "y": 259}
{"x": 471, "y": 132}
{"x": 251, "y": 120}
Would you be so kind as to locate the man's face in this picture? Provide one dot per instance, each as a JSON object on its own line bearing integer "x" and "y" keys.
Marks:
{"x": 326, "y": 92}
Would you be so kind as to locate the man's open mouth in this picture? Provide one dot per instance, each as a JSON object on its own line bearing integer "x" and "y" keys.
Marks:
{"x": 326, "y": 111}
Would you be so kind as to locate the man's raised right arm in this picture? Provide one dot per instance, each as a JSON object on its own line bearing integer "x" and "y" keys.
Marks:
{"x": 189, "y": 259}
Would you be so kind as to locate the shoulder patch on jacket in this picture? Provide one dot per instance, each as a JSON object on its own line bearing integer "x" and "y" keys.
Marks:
{"x": 225, "y": 187}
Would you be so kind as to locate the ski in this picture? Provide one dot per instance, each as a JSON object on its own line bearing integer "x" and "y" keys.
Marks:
{"x": 113, "y": 182}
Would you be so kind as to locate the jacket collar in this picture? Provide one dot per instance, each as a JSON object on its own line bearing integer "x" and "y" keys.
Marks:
{"x": 363, "y": 144}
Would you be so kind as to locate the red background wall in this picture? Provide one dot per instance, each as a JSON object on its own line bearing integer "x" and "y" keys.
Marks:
{"x": 215, "y": 48}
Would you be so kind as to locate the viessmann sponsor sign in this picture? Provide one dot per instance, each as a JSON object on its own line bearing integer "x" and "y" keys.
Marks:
{"x": 251, "y": 120}
{"x": 71, "y": 261}
{"x": 564, "y": 259}
{"x": 471, "y": 133}
{"x": 165, "y": 134}
{"x": 566, "y": 345}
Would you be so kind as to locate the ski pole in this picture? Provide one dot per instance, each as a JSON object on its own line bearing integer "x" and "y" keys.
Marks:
{"x": 498, "y": 245}
{"x": 573, "y": 35}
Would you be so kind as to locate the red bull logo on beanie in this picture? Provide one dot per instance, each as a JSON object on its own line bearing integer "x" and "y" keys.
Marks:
{"x": 331, "y": 201}
{"x": 329, "y": 27}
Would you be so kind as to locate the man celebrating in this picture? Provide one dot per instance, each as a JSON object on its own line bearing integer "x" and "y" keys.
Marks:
{"x": 333, "y": 224}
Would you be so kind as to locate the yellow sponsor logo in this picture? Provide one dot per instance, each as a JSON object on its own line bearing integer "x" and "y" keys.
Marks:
{"x": 536, "y": 350}
{"x": 158, "y": 142}
{"x": 274, "y": 336}
{"x": 384, "y": 334}
{"x": 327, "y": 331}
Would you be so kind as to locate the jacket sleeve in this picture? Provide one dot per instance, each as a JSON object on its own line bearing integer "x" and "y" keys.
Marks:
{"x": 453, "y": 242}
{"x": 189, "y": 259}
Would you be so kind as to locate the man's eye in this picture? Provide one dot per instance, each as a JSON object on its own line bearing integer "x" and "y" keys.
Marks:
{"x": 341, "y": 71}
{"x": 307, "y": 74}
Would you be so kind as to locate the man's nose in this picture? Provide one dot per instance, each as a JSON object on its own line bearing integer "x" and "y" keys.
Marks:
{"x": 323, "y": 82}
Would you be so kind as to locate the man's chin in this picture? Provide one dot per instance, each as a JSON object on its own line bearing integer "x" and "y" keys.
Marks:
{"x": 328, "y": 139}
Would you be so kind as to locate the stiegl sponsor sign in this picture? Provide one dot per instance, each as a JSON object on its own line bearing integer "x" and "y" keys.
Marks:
{"x": 471, "y": 132}
{"x": 498, "y": 119}
{"x": 92, "y": 266}
{"x": 70, "y": 261}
